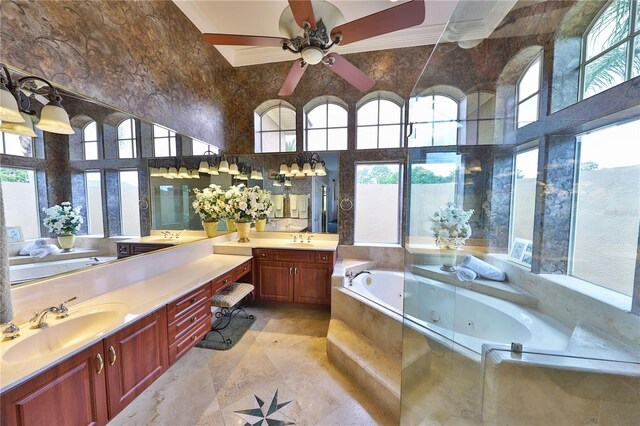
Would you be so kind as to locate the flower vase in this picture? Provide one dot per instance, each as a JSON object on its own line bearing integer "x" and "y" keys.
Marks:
{"x": 210, "y": 228}
{"x": 231, "y": 225}
{"x": 66, "y": 242}
{"x": 448, "y": 253}
{"x": 261, "y": 225}
{"x": 243, "y": 231}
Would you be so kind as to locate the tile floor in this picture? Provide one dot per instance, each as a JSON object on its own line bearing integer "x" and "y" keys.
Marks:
{"x": 284, "y": 351}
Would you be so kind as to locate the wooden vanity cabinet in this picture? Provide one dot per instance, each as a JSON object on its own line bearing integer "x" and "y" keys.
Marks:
{"x": 298, "y": 276}
{"x": 134, "y": 358}
{"x": 70, "y": 393}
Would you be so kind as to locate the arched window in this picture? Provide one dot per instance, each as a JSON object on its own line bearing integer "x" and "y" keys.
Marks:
{"x": 528, "y": 94}
{"x": 90, "y": 141}
{"x": 325, "y": 125}
{"x": 434, "y": 118}
{"x": 275, "y": 127}
{"x": 164, "y": 142}
{"x": 379, "y": 121}
{"x": 609, "y": 56}
{"x": 127, "y": 139}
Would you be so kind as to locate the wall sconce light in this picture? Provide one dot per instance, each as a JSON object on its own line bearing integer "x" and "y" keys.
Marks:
{"x": 15, "y": 106}
{"x": 307, "y": 164}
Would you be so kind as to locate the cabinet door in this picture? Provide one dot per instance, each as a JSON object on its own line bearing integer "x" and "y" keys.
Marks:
{"x": 274, "y": 281}
{"x": 135, "y": 357}
{"x": 312, "y": 283}
{"x": 70, "y": 393}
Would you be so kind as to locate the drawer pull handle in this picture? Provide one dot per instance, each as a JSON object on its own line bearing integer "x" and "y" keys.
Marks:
{"x": 100, "y": 363}
{"x": 295, "y": 271}
{"x": 225, "y": 281}
{"x": 290, "y": 271}
{"x": 113, "y": 355}
{"x": 194, "y": 319}
{"x": 194, "y": 299}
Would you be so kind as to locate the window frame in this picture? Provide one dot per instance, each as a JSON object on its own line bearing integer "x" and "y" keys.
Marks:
{"x": 632, "y": 36}
{"x": 133, "y": 139}
{"x": 524, "y": 148}
{"x": 306, "y": 129}
{"x": 538, "y": 93}
{"x": 401, "y": 171}
{"x": 155, "y": 139}
{"x": 85, "y": 141}
{"x": 87, "y": 208}
{"x": 378, "y": 98}
{"x": 433, "y": 122}
{"x": 263, "y": 111}
{"x": 3, "y": 146}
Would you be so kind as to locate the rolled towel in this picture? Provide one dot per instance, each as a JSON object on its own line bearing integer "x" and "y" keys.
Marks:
{"x": 39, "y": 253}
{"x": 466, "y": 274}
{"x": 39, "y": 243}
{"x": 483, "y": 269}
{"x": 52, "y": 248}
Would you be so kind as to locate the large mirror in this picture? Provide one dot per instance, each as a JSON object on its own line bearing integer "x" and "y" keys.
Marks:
{"x": 102, "y": 169}
{"x": 302, "y": 203}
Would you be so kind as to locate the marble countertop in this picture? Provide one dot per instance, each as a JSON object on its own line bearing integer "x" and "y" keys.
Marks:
{"x": 158, "y": 239}
{"x": 127, "y": 303}
{"x": 318, "y": 243}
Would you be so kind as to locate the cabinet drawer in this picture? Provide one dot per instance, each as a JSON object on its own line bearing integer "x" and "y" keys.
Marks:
{"x": 325, "y": 256}
{"x": 187, "y": 322}
{"x": 263, "y": 254}
{"x": 242, "y": 270}
{"x": 184, "y": 305}
{"x": 222, "y": 281}
{"x": 182, "y": 346}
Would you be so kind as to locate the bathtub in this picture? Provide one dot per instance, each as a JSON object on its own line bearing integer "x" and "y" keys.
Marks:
{"x": 38, "y": 270}
{"x": 464, "y": 317}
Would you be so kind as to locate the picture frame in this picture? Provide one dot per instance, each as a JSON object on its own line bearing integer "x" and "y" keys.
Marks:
{"x": 521, "y": 252}
{"x": 14, "y": 234}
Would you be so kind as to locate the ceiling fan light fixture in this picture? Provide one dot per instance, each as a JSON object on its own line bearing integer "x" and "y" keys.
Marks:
{"x": 312, "y": 55}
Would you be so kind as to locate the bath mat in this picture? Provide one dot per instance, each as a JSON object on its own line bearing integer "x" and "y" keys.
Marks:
{"x": 234, "y": 331}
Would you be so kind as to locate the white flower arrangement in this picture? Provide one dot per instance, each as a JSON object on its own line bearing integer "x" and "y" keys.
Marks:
{"x": 63, "y": 219}
{"x": 451, "y": 225}
{"x": 247, "y": 204}
{"x": 210, "y": 203}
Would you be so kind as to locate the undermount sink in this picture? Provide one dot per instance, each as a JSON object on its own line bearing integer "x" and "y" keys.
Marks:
{"x": 80, "y": 326}
{"x": 300, "y": 245}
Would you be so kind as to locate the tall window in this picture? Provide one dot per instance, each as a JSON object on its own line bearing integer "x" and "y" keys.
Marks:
{"x": 435, "y": 121}
{"x": 377, "y": 203}
{"x": 325, "y": 127}
{"x": 607, "y": 208}
{"x": 433, "y": 185}
{"x": 528, "y": 95}
{"x": 275, "y": 127}
{"x": 200, "y": 147}
{"x": 129, "y": 211}
{"x": 16, "y": 145}
{"x": 93, "y": 189}
{"x": 379, "y": 124}
{"x": 90, "y": 141}
{"x": 20, "y": 198}
{"x": 164, "y": 142}
{"x": 523, "y": 195}
{"x": 480, "y": 110}
{"x": 611, "y": 47}
{"x": 127, "y": 139}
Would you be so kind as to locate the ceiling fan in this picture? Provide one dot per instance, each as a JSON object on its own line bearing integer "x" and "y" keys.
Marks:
{"x": 312, "y": 38}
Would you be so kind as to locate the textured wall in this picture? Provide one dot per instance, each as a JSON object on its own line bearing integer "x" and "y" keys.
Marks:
{"x": 143, "y": 57}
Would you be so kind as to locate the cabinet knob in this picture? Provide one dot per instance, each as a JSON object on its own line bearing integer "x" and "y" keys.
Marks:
{"x": 194, "y": 337}
{"x": 112, "y": 351}
{"x": 194, "y": 299}
{"x": 100, "y": 363}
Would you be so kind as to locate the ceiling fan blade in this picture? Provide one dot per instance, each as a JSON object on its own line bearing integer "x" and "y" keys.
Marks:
{"x": 243, "y": 40}
{"x": 303, "y": 11}
{"x": 293, "y": 78}
{"x": 386, "y": 21}
{"x": 350, "y": 73}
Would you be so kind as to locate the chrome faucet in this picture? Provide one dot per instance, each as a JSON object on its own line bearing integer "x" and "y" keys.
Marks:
{"x": 10, "y": 331}
{"x": 353, "y": 276}
{"x": 61, "y": 312}
{"x": 166, "y": 234}
{"x": 309, "y": 238}
{"x": 295, "y": 238}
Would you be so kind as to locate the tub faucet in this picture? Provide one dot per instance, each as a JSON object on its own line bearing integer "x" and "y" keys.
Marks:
{"x": 353, "y": 276}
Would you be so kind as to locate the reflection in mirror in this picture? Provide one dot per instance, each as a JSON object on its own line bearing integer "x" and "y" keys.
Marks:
{"x": 301, "y": 202}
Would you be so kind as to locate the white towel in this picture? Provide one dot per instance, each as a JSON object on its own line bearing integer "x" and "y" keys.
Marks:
{"x": 466, "y": 274}
{"x": 303, "y": 206}
{"x": 293, "y": 205}
{"x": 39, "y": 243}
{"x": 44, "y": 251}
{"x": 271, "y": 213}
{"x": 278, "y": 205}
{"x": 483, "y": 269}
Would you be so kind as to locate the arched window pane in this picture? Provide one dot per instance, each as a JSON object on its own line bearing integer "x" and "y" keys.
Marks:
{"x": 444, "y": 109}
{"x": 126, "y": 139}
{"x": 636, "y": 56}
{"x": 390, "y": 113}
{"x": 124, "y": 129}
{"x": 317, "y": 117}
{"x": 90, "y": 132}
{"x": 530, "y": 82}
{"x": 337, "y": 116}
{"x": 528, "y": 111}
{"x": 271, "y": 120}
{"x": 606, "y": 71}
{"x": 90, "y": 141}
{"x": 611, "y": 27}
{"x": 438, "y": 124}
{"x": 368, "y": 114}
{"x": 287, "y": 119}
